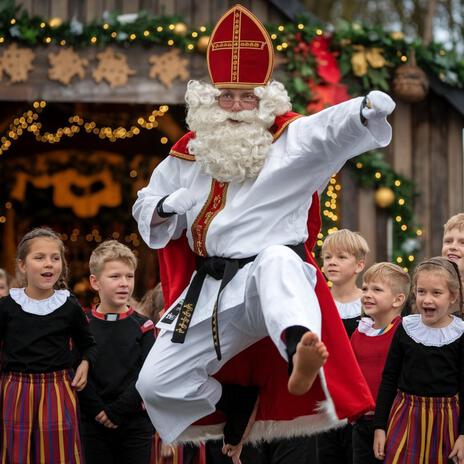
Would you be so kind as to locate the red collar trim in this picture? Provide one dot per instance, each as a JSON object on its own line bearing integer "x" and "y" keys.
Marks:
{"x": 180, "y": 148}
{"x": 103, "y": 317}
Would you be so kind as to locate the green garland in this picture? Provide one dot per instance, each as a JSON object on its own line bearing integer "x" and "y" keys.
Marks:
{"x": 17, "y": 26}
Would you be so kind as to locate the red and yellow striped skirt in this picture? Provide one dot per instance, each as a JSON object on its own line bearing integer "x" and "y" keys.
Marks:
{"x": 421, "y": 429}
{"x": 39, "y": 421}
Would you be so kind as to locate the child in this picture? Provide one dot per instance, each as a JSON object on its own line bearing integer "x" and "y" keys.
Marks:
{"x": 39, "y": 418}
{"x": 417, "y": 418}
{"x": 344, "y": 255}
{"x": 453, "y": 240}
{"x": 4, "y": 287}
{"x": 115, "y": 426}
{"x": 385, "y": 291}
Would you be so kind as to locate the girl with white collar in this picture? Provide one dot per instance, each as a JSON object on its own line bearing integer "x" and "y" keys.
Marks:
{"x": 39, "y": 420}
{"x": 419, "y": 416}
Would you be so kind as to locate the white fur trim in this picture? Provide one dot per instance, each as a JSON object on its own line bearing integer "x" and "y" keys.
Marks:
{"x": 39, "y": 307}
{"x": 324, "y": 419}
{"x": 432, "y": 336}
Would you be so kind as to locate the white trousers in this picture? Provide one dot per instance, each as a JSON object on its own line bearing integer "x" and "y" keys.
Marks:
{"x": 175, "y": 381}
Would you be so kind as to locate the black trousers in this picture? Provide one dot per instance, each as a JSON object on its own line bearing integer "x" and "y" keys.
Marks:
{"x": 334, "y": 446}
{"x": 299, "y": 450}
{"x": 130, "y": 443}
{"x": 363, "y": 442}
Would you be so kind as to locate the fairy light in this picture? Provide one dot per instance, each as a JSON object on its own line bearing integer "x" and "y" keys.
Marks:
{"x": 106, "y": 26}
{"x": 29, "y": 122}
{"x": 300, "y": 26}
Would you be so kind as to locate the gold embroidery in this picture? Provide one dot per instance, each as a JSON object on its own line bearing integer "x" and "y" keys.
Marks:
{"x": 213, "y": 205}
{"x": 184, "y": 156}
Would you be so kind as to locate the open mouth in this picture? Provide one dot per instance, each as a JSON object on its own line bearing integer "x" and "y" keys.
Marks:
{"x": 47, "y": 275}
{"x": 453, "y": 257}
{"x": 428, "y": 311}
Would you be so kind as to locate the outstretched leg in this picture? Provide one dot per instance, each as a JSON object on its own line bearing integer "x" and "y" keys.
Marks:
{"x": 309, "y": 357}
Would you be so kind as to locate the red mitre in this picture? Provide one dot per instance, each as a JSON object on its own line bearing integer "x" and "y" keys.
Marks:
{"x": 240, "y": 52}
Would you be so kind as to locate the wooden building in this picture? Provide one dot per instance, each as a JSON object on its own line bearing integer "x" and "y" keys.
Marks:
{"x": 427, "y": 144}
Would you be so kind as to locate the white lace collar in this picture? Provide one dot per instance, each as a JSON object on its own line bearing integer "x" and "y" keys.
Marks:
{"x": 39, "y": 307}
{"x": 350, "y": 309}
{"x": 432, "y": 336}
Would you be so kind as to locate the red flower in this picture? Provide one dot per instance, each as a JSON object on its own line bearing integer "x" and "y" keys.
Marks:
{"x": 325, "y": 95}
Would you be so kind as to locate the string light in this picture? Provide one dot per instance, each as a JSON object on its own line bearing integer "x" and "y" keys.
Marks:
{"x": 29, "y": 122}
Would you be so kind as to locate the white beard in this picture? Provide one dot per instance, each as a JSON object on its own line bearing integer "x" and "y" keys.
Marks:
{"x": 230, "y": 147}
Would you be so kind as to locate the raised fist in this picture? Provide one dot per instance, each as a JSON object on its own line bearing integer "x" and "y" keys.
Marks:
{"x": 378, "y": 105}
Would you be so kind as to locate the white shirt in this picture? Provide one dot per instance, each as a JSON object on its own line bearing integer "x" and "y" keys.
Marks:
{"x": 269, "y": 210}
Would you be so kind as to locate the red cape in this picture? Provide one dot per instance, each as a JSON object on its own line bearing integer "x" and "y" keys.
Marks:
{"x": 261, "y": 364}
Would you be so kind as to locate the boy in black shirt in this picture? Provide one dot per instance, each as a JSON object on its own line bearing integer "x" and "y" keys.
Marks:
{"x": 115, "y": 426}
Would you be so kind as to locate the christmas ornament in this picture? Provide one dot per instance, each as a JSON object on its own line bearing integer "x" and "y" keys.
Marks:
{"x": 410, "y": 82}
{"x": 113, "y": 68}
{"x": 202, "y": 43}
{"x": 168, "y": 67}
{"x": 17, "y": 62}
{"x": 181, "y": 29}
{"x": 384, "y": 197}
{"x": 65, "y": 65}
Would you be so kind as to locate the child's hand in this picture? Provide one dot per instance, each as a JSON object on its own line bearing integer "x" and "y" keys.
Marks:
{"x": 105, "y": 420}
{"x": 379, "y": 443}
{"x": 457, "y": 454}
{"x": 80, "y": 378}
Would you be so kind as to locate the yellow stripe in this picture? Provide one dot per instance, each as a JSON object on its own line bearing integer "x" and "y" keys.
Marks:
{"x": 4, "y": 390}
{"x": 450, "y": 423}
{"x": 394, "y": 413}
{"x": 429, "y": 432}
{"x": 405, "y": 436}
{"x": 60, "y": 418}
{"x": 31, "y": 409}
{"x": 72, "y": 397}
{"x": 40, "y": 419}
{"x": 422, "y": 438}
{"x": 440, "y": 441}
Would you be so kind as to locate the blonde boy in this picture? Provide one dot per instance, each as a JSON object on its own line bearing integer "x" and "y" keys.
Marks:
{"x": 115, "y": 427}
{"x": 453, "y": 240}
{"x": 344, "y": 256}
{"x": 385, "y": 290}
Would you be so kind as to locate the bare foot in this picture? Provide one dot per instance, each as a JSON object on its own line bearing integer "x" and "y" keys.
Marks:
{"x": 234, "y": 451}
{"x": 310, "y": 356}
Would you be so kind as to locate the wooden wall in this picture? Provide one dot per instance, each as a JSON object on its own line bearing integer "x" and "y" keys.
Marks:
{"x": 427, "y": 146}
{"x": 427, "y": 137}
{"x": 194, "y": 12}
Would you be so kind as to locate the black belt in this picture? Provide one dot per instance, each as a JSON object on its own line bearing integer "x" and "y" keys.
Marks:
{"x": 223, "y": 269}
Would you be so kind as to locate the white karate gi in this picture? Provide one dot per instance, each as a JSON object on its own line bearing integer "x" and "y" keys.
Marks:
{"x": 266, "y": 296}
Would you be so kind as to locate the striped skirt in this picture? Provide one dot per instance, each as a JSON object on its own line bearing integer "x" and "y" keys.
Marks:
{"x": 39, "y": 419}
{"x": 421, "y": 430}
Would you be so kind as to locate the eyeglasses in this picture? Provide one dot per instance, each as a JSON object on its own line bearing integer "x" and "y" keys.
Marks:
{"x": 246, "y": 101}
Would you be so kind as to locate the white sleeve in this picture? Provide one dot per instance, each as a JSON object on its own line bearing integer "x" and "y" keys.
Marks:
{"x": 323, "y": 142}
{"x": 156, "y": 231}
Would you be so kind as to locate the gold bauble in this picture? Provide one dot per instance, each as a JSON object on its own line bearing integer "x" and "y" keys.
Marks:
{"x": 384, "y": 197}
{"x": 202, "y": 43}
{"x": 180, "y": 29}
{"x": 55, "y": 22}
